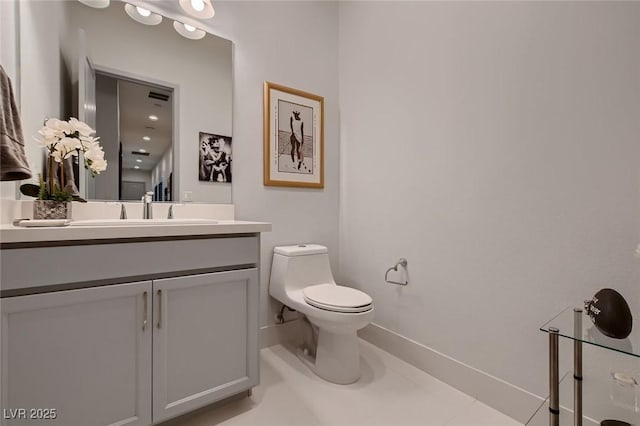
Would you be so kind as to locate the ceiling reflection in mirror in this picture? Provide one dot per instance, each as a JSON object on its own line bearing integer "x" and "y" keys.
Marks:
{"x": 149, "y": 93}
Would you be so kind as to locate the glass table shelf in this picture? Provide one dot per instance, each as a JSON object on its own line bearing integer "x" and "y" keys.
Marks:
{"x": 594, "y": 396}
{"x": 601, "y": 401}
{"x": 586, "y": 332}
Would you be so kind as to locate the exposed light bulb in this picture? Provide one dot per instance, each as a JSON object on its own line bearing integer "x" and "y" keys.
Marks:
{"x": 198, "y": 5}
{"x": 153, "y": 117}
{"x": 201, "y": 9}
{"x": 142, "y": 11}
{"x": 188, "y": 31}
{"x": 138, "y": 160}
{"x": 146, "y": 138}
{"x": 136, "y": 167}
{"x": 142, "y": 150}
{"x": 142, "y": 15}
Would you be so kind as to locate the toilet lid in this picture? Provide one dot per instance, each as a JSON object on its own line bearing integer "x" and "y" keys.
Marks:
{"x": 337, "y": 298}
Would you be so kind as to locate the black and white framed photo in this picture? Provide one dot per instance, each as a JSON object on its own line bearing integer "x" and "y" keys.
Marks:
{"x": 293, "y": 137}
{"x": 215, "y": 158}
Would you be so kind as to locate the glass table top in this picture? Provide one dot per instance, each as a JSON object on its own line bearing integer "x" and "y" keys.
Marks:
{"x": 578, "y": 326}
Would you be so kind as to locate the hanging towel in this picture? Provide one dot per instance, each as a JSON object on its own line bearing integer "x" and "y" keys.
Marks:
{"x": 13, "y": 161}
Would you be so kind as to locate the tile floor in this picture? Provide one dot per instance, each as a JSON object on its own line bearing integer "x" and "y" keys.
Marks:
{"x": 390, "y": 392}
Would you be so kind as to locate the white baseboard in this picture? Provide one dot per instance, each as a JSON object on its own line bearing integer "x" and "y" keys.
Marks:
{"x": 288, "y": 332}
{"x": 511, "y": 400}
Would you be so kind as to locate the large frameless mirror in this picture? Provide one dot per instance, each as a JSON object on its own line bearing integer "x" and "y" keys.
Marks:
{"x": 161, "y": 103}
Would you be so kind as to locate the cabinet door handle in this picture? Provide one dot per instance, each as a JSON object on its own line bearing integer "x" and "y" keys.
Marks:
{"x": 159, "y": 308}
{"x": 144, "y": 322}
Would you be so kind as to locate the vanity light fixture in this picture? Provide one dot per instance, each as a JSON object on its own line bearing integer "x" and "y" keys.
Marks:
{"x": 138, "y": 160}
{"x": 188, "y": 31}
{"x": 146, "y": 138}
{"x": 98, "y": 4}
{"x": 142, "y": 15}
{"x": 153, "y": 117}
{"x": 202, "y": 9}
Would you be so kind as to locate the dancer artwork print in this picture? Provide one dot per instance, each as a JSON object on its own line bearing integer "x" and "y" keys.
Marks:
{"x": 293, "y": 138}
{"x": 214, "y": 158}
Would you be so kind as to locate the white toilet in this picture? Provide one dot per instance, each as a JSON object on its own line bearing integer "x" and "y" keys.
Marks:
{"x": 301, "y": 279}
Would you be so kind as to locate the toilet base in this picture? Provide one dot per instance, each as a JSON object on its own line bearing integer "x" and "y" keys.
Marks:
{"x": 337, "y": 357}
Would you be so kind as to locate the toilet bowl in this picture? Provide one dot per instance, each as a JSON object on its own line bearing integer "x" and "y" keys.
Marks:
{"x": 301, "y": 279}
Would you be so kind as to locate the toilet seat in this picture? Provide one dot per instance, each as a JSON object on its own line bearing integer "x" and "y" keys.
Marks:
{"x": 337, "y": 298}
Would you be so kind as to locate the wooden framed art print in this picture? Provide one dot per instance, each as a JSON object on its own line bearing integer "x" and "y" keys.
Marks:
{"x": 293, "y": 137}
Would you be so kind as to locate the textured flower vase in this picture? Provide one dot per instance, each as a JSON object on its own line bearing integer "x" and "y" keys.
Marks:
{"x": 51, "y": 209}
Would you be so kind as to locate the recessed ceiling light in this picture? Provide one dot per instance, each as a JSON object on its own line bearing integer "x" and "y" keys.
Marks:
{"x": 138, "y": 160}
{"x": 146, "y": 138}
{"x": 153, "y": 117}
{"x": 136, "y": 167}
{"x": 198, "y": 8}
{"x": 188, "y": 31}
{"x": 142, "y": 150}
{"x": 142, "y": 15}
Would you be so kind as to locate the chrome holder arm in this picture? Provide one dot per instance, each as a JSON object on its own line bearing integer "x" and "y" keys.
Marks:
{"x": 402, "y": 262}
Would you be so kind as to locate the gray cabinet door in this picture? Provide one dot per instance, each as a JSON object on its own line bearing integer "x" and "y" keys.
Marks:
{"x": 205, "y": 343}
{"x": 83, "y": 353}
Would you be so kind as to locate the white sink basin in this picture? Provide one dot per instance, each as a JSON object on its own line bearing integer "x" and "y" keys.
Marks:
{"x": 142, "y": 222}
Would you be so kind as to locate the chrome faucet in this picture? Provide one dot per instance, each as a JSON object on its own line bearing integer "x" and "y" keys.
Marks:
{"x": 147, "y": 198}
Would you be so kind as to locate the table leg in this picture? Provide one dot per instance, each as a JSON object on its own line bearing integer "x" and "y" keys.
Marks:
{"x": 554, "y": 378}
{"x": 577, "y": 367}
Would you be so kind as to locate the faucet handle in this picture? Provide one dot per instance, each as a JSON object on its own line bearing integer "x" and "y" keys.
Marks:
{"x": 123, "y": 211}
{"x": 170, "y": 213}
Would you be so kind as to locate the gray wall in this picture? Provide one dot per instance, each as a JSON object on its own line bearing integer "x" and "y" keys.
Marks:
{"x": 495, "y": 146}
{"x": 45, "y": 62}
{"x": 294, "y": 44}
{"x": 132, "y": 175}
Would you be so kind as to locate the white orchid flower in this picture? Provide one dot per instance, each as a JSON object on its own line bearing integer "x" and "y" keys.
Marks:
{"x": 98, "y": 165}
{"x": 82, "y": 128}
{"x": 65, "y": 139}
{"x": 90, "y": 145}
{"x": 46, "y": 141}
{"x": 94, "y": 154}
{"x": 70, "y": 146}
{"x": 58, "y": 127}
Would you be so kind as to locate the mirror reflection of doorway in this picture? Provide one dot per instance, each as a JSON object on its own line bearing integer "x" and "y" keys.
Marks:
{"x": 132, "y": 190}
{"x": 134, "y": 121}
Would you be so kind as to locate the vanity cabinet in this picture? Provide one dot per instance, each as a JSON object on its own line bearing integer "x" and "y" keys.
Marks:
{"x": 136, "y": 352}
{"x": 201, "y": 339}
{"x": 84, "y": 354}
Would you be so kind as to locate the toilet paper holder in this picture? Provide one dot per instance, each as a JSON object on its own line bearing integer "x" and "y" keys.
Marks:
{"x": 402, "y": 262}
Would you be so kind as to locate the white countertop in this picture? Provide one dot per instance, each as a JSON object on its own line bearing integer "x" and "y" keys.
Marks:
{"x": 18, "y": 234}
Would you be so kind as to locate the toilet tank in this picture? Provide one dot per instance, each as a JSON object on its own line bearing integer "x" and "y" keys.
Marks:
{"x": 298, "y": 266}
